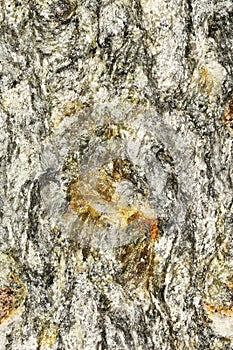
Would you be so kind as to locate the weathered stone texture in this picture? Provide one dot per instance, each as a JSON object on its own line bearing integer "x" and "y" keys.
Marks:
{"x": 116, "y": 174}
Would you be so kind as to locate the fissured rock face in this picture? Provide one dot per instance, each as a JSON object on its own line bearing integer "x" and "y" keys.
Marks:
{"x": 105, "y": 173}
{"x": 116, "y": 174}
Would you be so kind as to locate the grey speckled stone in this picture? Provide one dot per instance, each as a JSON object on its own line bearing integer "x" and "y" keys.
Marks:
{"x": 116, "y": 175}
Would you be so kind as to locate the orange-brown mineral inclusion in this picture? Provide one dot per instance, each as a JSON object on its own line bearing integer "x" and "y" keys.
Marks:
{"x": 122, "y": 215}
{"x": 227, "y": 116}
{"x": 224, "y": 310}
{"x": 6, "y": 302}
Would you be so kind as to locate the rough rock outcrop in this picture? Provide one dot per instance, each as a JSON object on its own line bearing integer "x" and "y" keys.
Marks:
{"x": 116, "y": 174}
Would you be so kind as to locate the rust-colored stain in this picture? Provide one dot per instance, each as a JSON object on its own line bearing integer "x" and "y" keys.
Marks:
{"x": 6, "y": 302}
{"x": 152, "y": 224}
{"x": 224, "y": 310}
{"x": 227, "y": 116}
{"x": 154, "y": 230}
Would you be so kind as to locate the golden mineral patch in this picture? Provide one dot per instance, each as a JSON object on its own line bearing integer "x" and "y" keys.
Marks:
{"x": 223, "y": 310}
{"x": 48, "y": 336}
{"x": 104, "y": 197}
{"x": 66, "y": 109}
{"x": 227, "y": 116}
{"x": 12, "y": 289}
{"x": 206, "y": 80}
{"x": 117, "y": 214}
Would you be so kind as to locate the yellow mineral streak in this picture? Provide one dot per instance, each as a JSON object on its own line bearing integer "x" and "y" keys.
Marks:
{"x": 224, "y": 310}
{"x": 48, "y": 336}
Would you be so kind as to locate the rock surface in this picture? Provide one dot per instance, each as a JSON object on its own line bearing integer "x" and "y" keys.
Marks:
{"x": 116, "y": 174}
